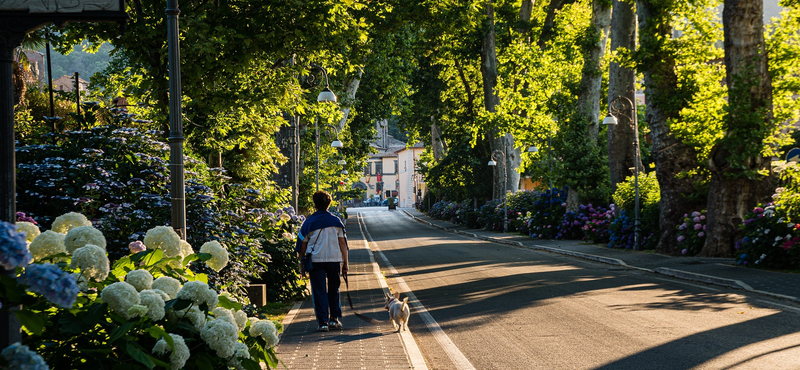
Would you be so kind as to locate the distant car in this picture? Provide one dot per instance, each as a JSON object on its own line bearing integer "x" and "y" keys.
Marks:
{"x": 385, "y": 202}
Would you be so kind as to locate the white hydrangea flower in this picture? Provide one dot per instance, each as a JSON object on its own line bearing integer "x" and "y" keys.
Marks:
{"x": 64, "y": 223}
{"x": 164, "y": 296}
{"x": 140, "y": 279}
{"x": 221, "y": 336}
{"x": 266, "y": 330}
{"x": 186, "y": 248}
{"x": 79, "y": 236}
{"x": 120, "y": 297}
{"x": 137, "y": 310}
{"x": 154, "y": 302}
{"x": 164, "y": 238}
{"x": 193, "y": 314}
{"x": 178, "y": 356}
{"x": 242, "y": 351}
{"x": 31, "y": 231}
{"x": 82, "y": 281}
{"x": 224, "y": 314}
{"x": 219, "y": 256}
{"x": 47, "y": 244}
{"x": 198, "y": 292}
{"x": 198, "y": 318}
{"x": 168, "y": 285}
{"x": 92, "y": 261}
{"x": 241, "y": 319}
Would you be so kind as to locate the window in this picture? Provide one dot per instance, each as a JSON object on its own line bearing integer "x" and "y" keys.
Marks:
{"x": 396, "y": 167}
{"x": 367, "y": 168}
{"x": 378, "y": 168}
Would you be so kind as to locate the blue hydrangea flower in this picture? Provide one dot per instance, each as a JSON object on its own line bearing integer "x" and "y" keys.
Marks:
{"x": 57, "y": 286}
{"x": 21, "y": 357}
{"x": 13, "y": 247}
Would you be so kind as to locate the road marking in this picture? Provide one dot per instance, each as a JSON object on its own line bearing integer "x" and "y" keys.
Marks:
{"x": 790, "y": 308}
{"x": 447, "y": 345}
{"x": 412, "y": 350}
{"x": 690, "y": 284}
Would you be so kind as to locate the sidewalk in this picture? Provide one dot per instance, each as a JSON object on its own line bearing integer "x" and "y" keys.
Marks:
{"x": 359, "y": 345}
{"x": 715, "y": 271}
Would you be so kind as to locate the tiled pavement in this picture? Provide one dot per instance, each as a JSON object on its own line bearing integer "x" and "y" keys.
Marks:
{"x": 360, "y": 345}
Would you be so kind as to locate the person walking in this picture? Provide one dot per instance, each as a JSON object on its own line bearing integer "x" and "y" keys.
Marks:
{"x": 323, "y": 236}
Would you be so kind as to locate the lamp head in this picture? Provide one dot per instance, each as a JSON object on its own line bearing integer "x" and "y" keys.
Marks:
{"x": 326, "y": 96}
{"x": 533, "y": 149}
{"x": 344, "y": 172}
{"x": 337, "y": 144}
{"x": 492, "y": 162}
{"x": 342, "y": 162}
{"x": 610, "y": 120}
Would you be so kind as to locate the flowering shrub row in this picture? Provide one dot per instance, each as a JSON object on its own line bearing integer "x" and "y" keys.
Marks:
{"x": 147, "y": 309}
{"x": 118, "y": 178}
{"x": 543, "y": 215}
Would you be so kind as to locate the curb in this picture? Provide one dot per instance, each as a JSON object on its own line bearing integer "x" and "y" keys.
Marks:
{"x": 677, "y": 274}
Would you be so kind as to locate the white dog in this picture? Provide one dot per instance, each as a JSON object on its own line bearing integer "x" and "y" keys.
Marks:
{"x": 398, "y": 311}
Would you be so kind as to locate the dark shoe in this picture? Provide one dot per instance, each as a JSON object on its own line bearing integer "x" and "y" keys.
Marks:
{"x": 335, "y": 324}
{"x": 323, "y": 327}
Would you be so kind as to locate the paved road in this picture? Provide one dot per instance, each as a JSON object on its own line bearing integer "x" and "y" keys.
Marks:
{"x": 490, "y": 306}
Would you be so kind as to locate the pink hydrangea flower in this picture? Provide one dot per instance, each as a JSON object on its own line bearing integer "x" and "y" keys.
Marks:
{"x": 136, "y": 247}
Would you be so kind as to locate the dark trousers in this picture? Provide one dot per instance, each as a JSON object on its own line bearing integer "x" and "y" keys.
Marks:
{"x": 325, "y": 296}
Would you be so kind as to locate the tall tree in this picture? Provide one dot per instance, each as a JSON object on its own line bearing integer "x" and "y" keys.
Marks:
{"x": 580, "y": 139}
{"x": 740, "y": 168}
{"x": 498, "y": 141}
{"x": 665, "y": 99}
{"x": 621, "y": 84}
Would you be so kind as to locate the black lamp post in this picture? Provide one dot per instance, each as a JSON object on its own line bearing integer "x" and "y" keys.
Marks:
{"x": 612, "y": 121}
{"x": 501, "y": 155}
{"x": 177, "y": 190}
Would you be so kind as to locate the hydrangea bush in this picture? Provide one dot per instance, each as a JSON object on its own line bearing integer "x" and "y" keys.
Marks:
{"x": 118, "y": 177}
{"x": 769, "y": 239}
{"x": 146, "y": 310}
{"x": 692, "y": 232}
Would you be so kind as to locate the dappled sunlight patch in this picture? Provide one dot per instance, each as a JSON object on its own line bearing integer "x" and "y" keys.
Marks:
{"x": 783, "y": 349}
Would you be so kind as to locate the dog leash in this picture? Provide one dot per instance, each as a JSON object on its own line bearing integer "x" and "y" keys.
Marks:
{"x": 350, "y": 301}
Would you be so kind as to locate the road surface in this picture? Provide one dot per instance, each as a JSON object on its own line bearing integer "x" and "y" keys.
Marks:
{"x": 479, "y": 305}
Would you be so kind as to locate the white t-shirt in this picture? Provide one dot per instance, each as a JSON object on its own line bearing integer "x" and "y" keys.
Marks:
{"x": 326, "y": 246}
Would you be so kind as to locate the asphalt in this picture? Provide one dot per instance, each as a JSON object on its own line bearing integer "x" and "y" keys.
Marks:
{"x": 369, "y": 346}
{"x": 712, "y": 271}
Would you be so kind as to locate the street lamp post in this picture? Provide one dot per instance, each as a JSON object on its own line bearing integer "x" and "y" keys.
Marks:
{"x": 612, "y": 121}
{"x": 177, "y": 191}
{"x": 325, "y": 96}
{"x": 335, "y": 144}
{"x": 501, "y": 155}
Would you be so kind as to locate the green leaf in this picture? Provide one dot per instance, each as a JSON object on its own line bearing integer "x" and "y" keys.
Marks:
{"x": 135, "y": 351}
{"x": 177, "y": 304}
{"x": 31, "y": 321}
{"x": 204, "y": 256}
{"x": 203, "y": 363}
{"x": 225, "y": 302}
{"x": 119, "y": 331}
{"x": 189, "y": 258}
{"x": 158, "y": 333}
{"x": 154, "y": 258}
{"x": 249, "y": 364}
